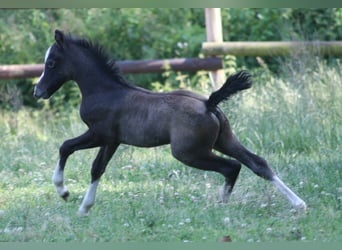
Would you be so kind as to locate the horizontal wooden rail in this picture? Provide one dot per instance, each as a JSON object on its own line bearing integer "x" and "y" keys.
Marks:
{"x": 126, "y": 67}
{"x": 178, "y": 64}
{"x": 20, "y": 71}
{"x": 281, "y": 48}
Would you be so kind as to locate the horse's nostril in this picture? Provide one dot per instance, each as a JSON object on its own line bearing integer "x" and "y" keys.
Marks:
{"x": 37, "y": 93}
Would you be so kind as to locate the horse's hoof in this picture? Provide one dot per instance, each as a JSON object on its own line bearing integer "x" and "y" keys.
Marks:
{"x": 82, "y": 213}
{"x": 65, "y": 196}
{"x": 301, "y": 206}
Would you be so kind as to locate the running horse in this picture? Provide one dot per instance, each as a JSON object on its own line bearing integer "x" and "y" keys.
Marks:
{"x": 117, "y": 112}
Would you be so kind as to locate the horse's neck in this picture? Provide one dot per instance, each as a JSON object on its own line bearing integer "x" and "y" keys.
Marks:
{"x": 91, "y": 84}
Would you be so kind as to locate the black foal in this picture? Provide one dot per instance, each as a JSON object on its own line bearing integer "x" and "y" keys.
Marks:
{"x": 117, "y": 112}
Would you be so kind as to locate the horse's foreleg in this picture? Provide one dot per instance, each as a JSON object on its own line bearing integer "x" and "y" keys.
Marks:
{"x": 84, "y": 141}
{"x": 98, "y": 168}
{"x": 58, "y": 180}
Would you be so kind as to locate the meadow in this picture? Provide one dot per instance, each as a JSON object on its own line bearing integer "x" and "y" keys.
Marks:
{"x": 293, "y": 120}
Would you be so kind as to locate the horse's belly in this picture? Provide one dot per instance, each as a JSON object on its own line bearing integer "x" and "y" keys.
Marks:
{"x": 144, "y": 138}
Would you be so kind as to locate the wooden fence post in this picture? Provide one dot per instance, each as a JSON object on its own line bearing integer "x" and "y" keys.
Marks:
{"x": 213, "y": 24}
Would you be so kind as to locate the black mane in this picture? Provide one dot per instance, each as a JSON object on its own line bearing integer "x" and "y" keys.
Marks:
{"x": 100, "y": 55}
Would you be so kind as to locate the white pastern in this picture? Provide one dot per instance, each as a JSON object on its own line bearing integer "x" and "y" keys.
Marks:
{"x": 58, "y": 180}
{"x": 224, "y": 193}
{"x": 89, "y": 199}
{"x": 297, "y": 202}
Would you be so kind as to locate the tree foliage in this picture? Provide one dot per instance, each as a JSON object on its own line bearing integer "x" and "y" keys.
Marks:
{"x": 129, "y": 34}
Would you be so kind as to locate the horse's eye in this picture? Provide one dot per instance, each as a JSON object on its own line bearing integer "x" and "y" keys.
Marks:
{"x": 50, "y": 64}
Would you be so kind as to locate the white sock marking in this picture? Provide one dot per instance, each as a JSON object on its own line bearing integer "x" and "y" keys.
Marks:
{"x": 58, "y": 180}
{"x": 224, "y": 193}
{"x": 89, "y": 199}
{"x": 289, "y": 194}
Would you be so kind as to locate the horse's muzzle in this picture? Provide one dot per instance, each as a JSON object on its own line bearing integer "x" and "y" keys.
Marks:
{"x": 40, "y": 94}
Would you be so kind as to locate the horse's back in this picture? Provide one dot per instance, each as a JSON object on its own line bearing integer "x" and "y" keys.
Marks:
{"x": 187, "y": 93}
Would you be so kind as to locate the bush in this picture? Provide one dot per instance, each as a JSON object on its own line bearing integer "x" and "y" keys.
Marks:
{"x": 151, "y": 34}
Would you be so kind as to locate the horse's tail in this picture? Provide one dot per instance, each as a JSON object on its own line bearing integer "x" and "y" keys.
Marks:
{"x": 235, "y": 83}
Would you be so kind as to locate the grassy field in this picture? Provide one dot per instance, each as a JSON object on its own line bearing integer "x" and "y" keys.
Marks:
{"x": 295, "y": 122}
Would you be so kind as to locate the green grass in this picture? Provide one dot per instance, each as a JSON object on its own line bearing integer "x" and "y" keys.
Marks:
{"x": 295, "y": 122}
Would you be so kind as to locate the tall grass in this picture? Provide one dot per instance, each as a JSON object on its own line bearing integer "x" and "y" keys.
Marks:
{"x": 294, "y": 121}
{"x": 294, "y": 111}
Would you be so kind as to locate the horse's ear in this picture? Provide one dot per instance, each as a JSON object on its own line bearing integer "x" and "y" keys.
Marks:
{"x": 59, "y": 37}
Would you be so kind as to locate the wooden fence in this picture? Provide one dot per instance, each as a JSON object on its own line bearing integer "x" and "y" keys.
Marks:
{"x": 127, "y": 67}
{"x": 281, "y": 48}
{"x": 214, "y": 48}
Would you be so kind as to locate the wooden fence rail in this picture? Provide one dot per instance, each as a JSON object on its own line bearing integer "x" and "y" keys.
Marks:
{"x": 127, "y": 67}
{"x": 332, "y": 48}
{"x": 279, "y": 48}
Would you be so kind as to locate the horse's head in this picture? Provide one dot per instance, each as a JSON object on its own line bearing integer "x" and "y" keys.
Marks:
{"x": 57, "y": 68}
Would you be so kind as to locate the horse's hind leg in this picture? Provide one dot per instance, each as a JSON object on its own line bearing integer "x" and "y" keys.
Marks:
{"x": 204, "y": 159}
{"x": 230, "y": 180}
{"x": 229, "y": 145}
{"x": 99, "y": 167}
